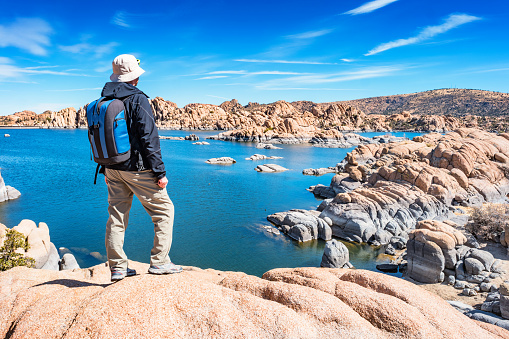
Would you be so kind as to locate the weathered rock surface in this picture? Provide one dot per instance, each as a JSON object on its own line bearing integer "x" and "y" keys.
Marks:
{"x": 7, "y": 192}
{"x": 41, "y": 248}
{"x": 340, "y": 183}
{"x": 393, "y": 207}
{"x": 302, "y": 225}
{"x": 399, "y": 184}
{"x": 68, "y": 262}
{"x": 319, "y": 171}
{"x": 270, "y": 168}
{"x": 39, "y": 241}
{"x": 285, "y": 303}
{"x": 221, "y": 161}
{"x": 436, "y": 250}
{"x": 335, "y": 255}
{"x": 430, "y": 249}
{"x": 504, "y": 300}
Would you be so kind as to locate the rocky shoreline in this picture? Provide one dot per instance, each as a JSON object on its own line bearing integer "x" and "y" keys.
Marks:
{"x": 409, "y": 196}
{"x": 385, "y": 189}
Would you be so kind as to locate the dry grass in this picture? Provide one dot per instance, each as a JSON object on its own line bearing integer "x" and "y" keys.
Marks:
{"x": 488, "y": 221}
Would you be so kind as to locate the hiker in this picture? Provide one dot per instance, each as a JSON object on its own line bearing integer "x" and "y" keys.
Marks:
{"x": 143, "y": 175}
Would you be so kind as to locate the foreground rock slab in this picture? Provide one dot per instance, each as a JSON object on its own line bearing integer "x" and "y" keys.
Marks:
{"x": 284, "y": 303}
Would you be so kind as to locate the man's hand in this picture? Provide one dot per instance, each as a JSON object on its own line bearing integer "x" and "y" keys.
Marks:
{"x": 162, "y": 182}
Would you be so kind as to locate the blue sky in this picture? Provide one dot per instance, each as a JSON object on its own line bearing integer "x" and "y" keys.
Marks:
{"x": 58, "y": 54}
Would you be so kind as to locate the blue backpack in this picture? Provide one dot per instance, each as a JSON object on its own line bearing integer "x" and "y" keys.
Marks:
{"x": 107, "y": 132}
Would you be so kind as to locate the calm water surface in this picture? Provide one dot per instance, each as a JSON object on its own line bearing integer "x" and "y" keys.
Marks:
{"x": 219, "y": 210}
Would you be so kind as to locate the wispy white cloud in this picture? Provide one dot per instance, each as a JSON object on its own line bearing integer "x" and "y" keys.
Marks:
{"x": 347, "y": 60}
{"x": 213, "y": 77}
{"x": 103, "y": 68}
{"x": 369, "y": 7}
{"x": 74, "y": 89}
{"x": 486, "y": 70}
{"x": 452, "y": 21}
{"x": 274, "y": 73}
{"x": 121, "y": 19}
{"x": 8, "y": 70}
{"x": 309, "y": 35}
{"x": 215, "y": 96}
{"x": 366, "y": 73}
{"x": 228, "y": 72}
{"x": 254, "y": 73}
{"x": 132, "y": 20}
{"x": 294, "y": 43}
{"x": 285, "y": 62}
{"x": 29, "y": 34}
{"x": 86, "y": 48}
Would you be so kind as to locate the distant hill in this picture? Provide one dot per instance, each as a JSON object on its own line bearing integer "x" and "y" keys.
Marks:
{"x": 449, "y": 101}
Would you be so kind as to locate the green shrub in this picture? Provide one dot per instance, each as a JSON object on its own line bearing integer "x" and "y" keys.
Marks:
{"x": 488, "y": 221}
{"x": 8, "y": 257}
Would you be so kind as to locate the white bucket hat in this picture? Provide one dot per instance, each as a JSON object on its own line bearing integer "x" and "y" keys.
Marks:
{"x": 126, "y": 68}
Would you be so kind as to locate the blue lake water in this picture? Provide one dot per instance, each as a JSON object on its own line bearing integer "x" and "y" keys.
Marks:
{"x": 219, "y": 210}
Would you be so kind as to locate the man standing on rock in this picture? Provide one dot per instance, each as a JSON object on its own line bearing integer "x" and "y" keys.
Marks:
{"x": 142, "y": 175}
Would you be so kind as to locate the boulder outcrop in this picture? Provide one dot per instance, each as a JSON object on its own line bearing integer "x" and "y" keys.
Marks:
{"x": 41, "y": 248}
{"x": 302, "y": 225}
{"x": 285, "y": 303}
{"x": 430, "y": 249}
{"x": 437, "y": 251}
{"x": 336, "y": 255}
{"x": 400, "y": 184}
{"x": 7, "y": 192}
{"x": 300, "y": 120}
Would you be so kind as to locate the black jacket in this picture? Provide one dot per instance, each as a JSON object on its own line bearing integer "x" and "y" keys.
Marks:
{"x": 143, "y": 136}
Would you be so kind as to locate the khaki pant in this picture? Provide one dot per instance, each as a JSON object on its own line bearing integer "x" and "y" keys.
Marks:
{"x": 121, "y": 187}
